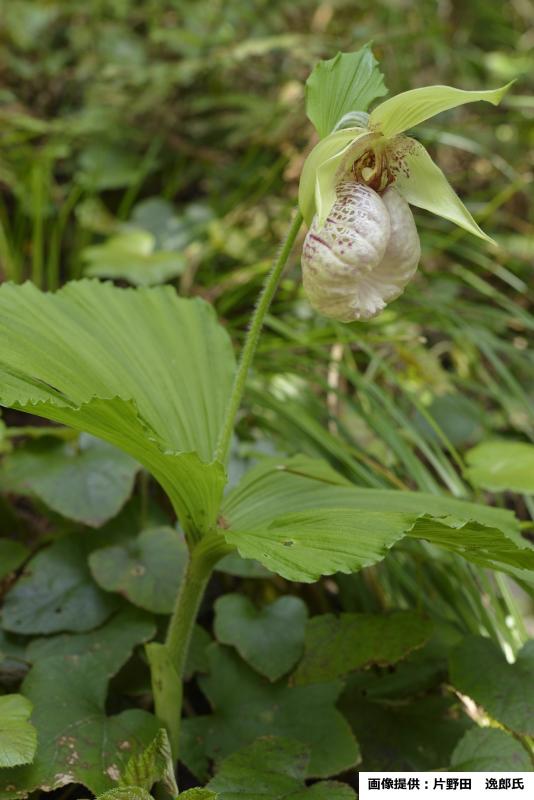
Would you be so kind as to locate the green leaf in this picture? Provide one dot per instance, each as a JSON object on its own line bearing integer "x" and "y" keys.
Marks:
{"x": 197, "y": 659}
{"x": 143, "y": 369}
{"x": 126, "y": 793}
{"x": 88, "y": 481}
{"x": 502, "y": 466}
{"x": 408, "y": 109}
{"x": 112, "y": 643}
{"x": 270, "y": 639}
{"x": 489, "y": 750}
{"x": 405, "y": 737}
{"x": 18, "y": 737}
{"x": 132, "y": 256}
{"x": 347, "y": 82}
{"x": 56, "y": 592}
{"x": 272, "y": 769}
{"x": 152, "y": 765}
{"x": 199, "y": 794}
{"x": 246, "y": 706}
{"x": 146, "y": 570}
{"x": 12, "y": 556}
{"x": 304, "y": 546}
{"x": 503, "y": 690}
{"x": 329, "y": 524}
{"x": 335, "y": 646}
{"x": 77, "y": 742}
{"x": 423, "y": 184}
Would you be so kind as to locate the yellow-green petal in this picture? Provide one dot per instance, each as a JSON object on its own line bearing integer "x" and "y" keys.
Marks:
{"x": 408, "y": 109}
{"x": 423, "y": 184}
{"x": 322, "y": 168}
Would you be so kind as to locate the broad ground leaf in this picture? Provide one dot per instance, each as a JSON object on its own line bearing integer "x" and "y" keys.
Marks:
{"x": 18, "y": 737}
{"x": 405, "y": 737}
{"x": 489, "y": 750}
{"x": 112, "y": 642}
{"x": 199, "y": 794}
{"x": 88, "y": 481}
{"x": 270, "y": 639}
{"x": 503, "y": 690}
{"x": 143, "y": 369}
{"x": 272, "y": 768}
{"x": 147, "y": 569}
{"x": 336, "y": 645}
{"x": 246, "y": 706}
{"x": 77, "y": 742}
{"x": 56, "y": 592}
{"x": 348, "y": 82}
{"x": 197, "y": 659}
{"x": 502, "y": 466}
{"x": 12, "y": 556}
{"x": 301, "y": 519}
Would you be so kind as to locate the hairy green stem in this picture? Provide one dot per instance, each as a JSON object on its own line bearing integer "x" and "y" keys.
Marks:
{"x": 251, "y": 342}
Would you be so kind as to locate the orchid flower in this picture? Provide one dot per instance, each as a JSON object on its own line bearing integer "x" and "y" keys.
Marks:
{"x": 375, "y": 152}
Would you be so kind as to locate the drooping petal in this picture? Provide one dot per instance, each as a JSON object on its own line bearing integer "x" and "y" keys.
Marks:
{"x": 326, "y": 166}
{"x": 408, "y": 109}
{"x": 421, "y": 182}
{"x": 321, "y": 171}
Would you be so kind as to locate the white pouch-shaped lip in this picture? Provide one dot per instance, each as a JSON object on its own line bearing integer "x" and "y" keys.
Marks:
{"x": 363, "y": 256}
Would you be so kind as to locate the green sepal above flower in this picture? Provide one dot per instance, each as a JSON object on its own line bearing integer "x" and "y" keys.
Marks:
{"x": 379, "y": 156}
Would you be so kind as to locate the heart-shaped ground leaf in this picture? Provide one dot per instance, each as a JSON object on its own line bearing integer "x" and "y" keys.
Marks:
{"x": 479, "y": 669}
{"x": 57, "y": 593}
{"x": 246, "y": 706}
{"x": 77, "y": 742}
{"x": 141, "y": 368}
{"x": 146, "y": 570}
{"x": 88, "y": 480}
{"x": 490, "y": 750}
{"x": 336, "y": 645}
{"x": 270, "y": 639}
{"x": 272, "y": 768}
{"x": 18, "y": 737}
{"x": 12, "y": 556}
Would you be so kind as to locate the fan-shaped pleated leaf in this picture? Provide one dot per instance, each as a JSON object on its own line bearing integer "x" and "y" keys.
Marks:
{"x": 144, "y": 369}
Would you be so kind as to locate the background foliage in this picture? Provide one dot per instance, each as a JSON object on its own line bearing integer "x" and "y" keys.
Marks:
{"x": 162, "y": 142}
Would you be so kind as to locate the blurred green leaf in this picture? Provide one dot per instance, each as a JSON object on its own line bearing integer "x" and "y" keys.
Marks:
{"x": 489, "y": 750}
{"x": 335, "y": 646}
{"x": 12, "y": 556}
{"x": 246, "y": 706}
{"x": 56, "y": 592}
{"x": 270, "y": 639}
{"x": 503, "y": 690}
{"x": 18, "y": 737}
{"x": 132, "y": 256}
{"x": 88, "y": 480}
{"x": 502, "y": 466}
{"x": 348, "y": 82}
{"x": 147, "y": 570}
{"x": 145, "y": 370}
